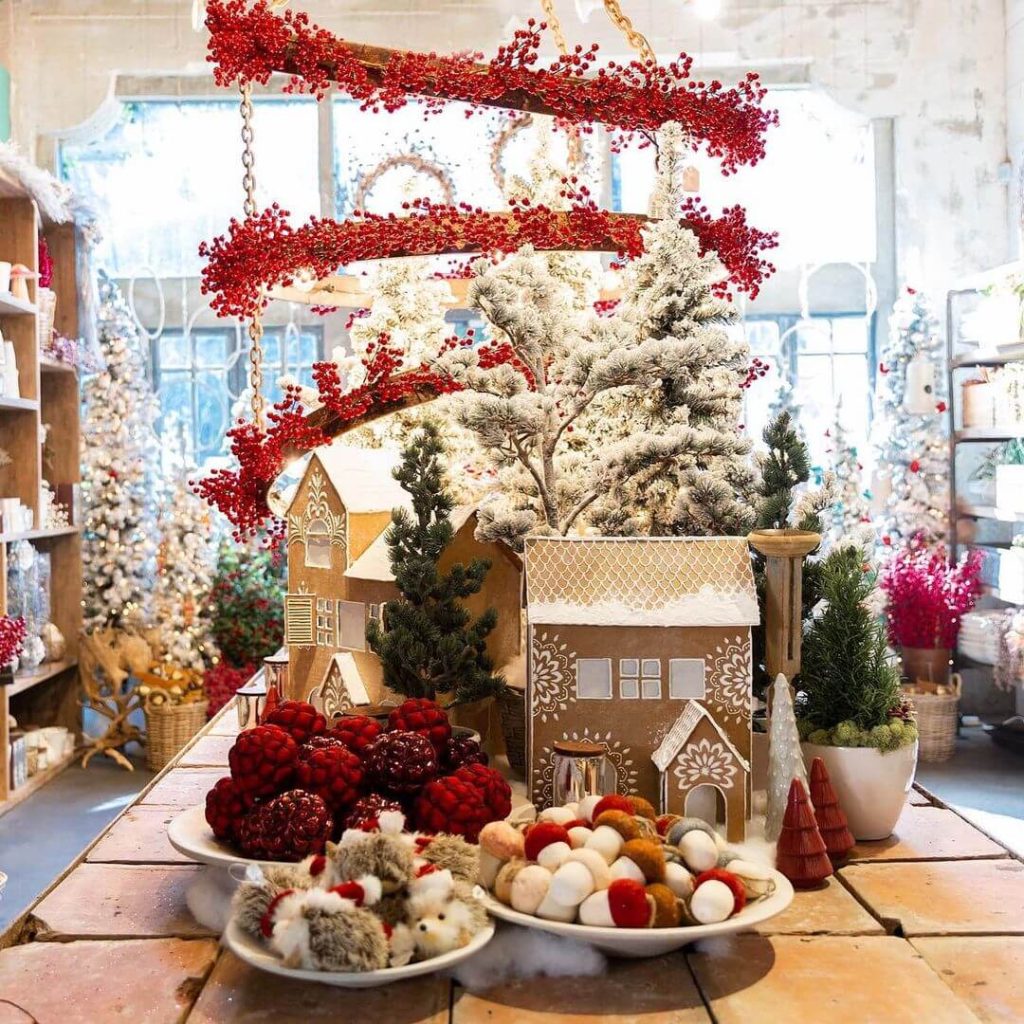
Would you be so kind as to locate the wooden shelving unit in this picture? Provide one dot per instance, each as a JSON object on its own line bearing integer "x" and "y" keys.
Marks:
{"x": 49, "y": 394}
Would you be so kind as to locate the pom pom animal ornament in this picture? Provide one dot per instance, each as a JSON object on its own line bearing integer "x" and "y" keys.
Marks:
{"x": 443, "y": 914}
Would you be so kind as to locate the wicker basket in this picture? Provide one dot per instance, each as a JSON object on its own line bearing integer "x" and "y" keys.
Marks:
{"x": 169, "y": 727}
{"x": 936, "y": 721}
{"x": 512, "y": 709}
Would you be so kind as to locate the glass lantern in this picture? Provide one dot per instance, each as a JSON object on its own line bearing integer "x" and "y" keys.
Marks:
{"x": 250, "y": 700}
{"x": 580, "y": 769}
{"x": 275, "y": 672}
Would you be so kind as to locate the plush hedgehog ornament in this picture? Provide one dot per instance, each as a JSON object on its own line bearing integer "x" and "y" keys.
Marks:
{"x": 442, "y": 913}
{"x": 261, "y": 889}
{"x": 387, "y": 854}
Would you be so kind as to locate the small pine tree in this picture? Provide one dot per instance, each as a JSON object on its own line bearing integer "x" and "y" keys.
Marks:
{"x": 832, "y": 823}
{"x": 784, "y": 467}
{"x": 800, "y": 854}
{"x": 429, "y": 644}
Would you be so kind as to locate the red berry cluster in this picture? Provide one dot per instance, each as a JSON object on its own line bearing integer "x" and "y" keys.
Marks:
{"x": 249, "y": 43}
{"x": 294, "y": 783}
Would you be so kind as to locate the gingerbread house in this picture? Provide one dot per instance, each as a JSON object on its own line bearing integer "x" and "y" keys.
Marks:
{"x": 644, "y": 645}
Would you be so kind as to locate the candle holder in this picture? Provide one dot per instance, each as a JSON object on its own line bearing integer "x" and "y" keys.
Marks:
{"x": 275, "y": 671}
{"x": 250, "y": 701}
{"x": 580, "y": 769}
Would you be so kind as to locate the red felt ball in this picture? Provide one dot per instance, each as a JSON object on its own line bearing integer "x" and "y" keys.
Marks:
{"x": 225, "y": 808}
{"x": 577, "y": 823}
{"x": 493, "y": 787}
{"x": 739, "y": 895}
{"x": 628, "y": 904}
{"x": 333, "y": 773}
{"x": 297, "y": 717}
{"x": 542, "y": 834}
{"x": 453, "y": 806}
{"x": 262, "y": 761}
{"x": 357, "y": 732}
{"x": 612, "y": 802}
{"x": 423, "y": 716}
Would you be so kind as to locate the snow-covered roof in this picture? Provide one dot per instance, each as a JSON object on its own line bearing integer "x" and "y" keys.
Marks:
{"x": 362, "y": 477}
{"x": 351, "y": 678}
{"x": 375, "y": 562}
{"x": 677, "y": 737}
{"x": 630, "y": 581}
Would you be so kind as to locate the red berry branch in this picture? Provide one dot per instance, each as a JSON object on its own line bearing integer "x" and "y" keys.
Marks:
{"x": 248, "y": 42}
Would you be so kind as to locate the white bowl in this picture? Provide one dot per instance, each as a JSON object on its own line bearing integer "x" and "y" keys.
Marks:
{"x": 190, "y": 835}
{"x": 643, "y": 942}
{"x": 253, "y": 953}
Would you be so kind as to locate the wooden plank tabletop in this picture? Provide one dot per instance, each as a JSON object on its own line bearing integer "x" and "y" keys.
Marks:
{"x": 925, "y": 926}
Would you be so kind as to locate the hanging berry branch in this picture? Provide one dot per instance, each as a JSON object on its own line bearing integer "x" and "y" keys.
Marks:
{"x": 248, "y": 42}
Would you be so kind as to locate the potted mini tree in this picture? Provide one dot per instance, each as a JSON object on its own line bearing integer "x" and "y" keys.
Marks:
{"x": 851, "y": 712}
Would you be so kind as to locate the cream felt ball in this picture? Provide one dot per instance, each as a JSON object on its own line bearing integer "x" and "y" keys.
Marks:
{"x": 625, "y": 868}
{"x": 529, "y": 888}
{"x": 501, "y": 840}
{"x": 559, "y": 815}
{"x": 505, "y": 877}
{"x": 596, "y": 911}
{"x": 712, "y": 902}
{"x": 586, "y": 807}
{"x": 551, "y": 910}
{"x": 572, "y": 883}
{"x": 553, "y": 856}
{"x": 699, "y": 850}
{"x": 579, "y": 835}
{"x": 488, "y": 869}
{"x": 595, "y": 864}
{"x": 607, "y": 842}
{"x": 679, "y": 880}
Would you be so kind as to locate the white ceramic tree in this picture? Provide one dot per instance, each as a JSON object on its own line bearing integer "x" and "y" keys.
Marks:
{"x": 785, "y": 759}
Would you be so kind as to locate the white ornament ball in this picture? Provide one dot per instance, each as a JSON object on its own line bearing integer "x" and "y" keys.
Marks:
{"x": 596, "y": 911}
{"x": 595, "y": 864}
{"x": 579, "y": 835}
{"x": 553, "y": 855}
{"x": 529, "y": 888}
{"x": 586, "y": 807}
{"x": 678, "y": 879}
{"x": 551, "y": 910}
{"x": 712, "y": 902}
{"x": 626, "y": 868}
{"x": 608, "y": 843}
{"x": 699, "y": 851}
{"x": 571, "y": 884}
{"x": 559, "y": 815}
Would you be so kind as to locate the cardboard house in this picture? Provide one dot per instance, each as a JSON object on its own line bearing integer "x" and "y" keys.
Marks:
{"x": 339, "y": 576}
{"x": 644, "y": 646}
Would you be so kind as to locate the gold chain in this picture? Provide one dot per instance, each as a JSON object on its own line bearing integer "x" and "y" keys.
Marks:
{"x": 551, "y": 17}
{"x": 636, "y": 39}
{"x": 249, "y": 206}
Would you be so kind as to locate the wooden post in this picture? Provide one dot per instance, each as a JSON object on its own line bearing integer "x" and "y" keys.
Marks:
{"x": 784, "y": 552}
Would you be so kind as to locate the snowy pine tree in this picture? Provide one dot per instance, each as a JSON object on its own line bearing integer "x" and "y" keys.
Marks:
{"x": 850, "y": 510}
{"x": 118, "y": 467}
{"x": 910, "y": 427}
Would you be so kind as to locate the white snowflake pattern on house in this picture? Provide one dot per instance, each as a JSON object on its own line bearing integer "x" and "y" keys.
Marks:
{"x": 553, "y": 684}
{"x": 730, "y": 680}
{"x": 705, "y": 762}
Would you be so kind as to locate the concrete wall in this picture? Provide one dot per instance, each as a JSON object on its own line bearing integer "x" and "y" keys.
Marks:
{"x": 1015, "y": 119}
{"x": 937, "y": 67}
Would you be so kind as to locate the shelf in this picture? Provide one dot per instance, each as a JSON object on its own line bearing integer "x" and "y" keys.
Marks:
{"x": 55, "y": 366}
{"x": 10, "y": 306}
{"x": 27, "y": 680}
{"x": 990, "y": 512}
{"x": 63, "y": 531}
{"x": 1010, "y": 432}
{"x": 965, "y": 363}
{"x": 19, "y": 404}
{"x": 37, "y": 781}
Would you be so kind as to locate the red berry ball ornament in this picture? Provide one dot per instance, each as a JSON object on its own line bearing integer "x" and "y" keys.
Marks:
{"x": 365, "y": 812}
{"x": 427, "y": 717}
{"x": 461, "y": 750}
{"x": 262, "y": 761}
{"x": 225, "y": 809}
{"x": 451, "y": 805}
{"x": 401, "y": 762}
{"x": 357, "y": 732}
{"x": 297, "y": 717}
{"x": 289, "y": 827}
{"x": 333, "y": 772}
{"x": 494, "y": 790}
{"x": 322, "y": 741}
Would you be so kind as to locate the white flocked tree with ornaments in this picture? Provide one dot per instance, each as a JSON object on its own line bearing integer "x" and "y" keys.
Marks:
{"x": 119, "y": 462}
{"x": 850, "y": 511}
{"x": 785, "y": 759}
{"x": 910, "y": 429}
{"x": 628, "y": 423}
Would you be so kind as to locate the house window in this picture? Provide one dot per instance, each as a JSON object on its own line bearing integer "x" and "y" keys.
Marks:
{"x": 375, "y": 612}
{"x": 352, "y": 625}
{"x": 324, "y": 622}
{"x": 640, "y": 677}
{"x": 318, "y": 545}
{"x": 686, "y": 678}
{"x": 593, "y": 679}
{"x": 298, "y": 619}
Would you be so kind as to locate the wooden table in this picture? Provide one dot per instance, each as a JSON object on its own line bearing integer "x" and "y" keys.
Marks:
{"x": 927, "y": 926}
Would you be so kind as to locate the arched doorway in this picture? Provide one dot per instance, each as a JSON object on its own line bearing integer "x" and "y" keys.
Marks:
{"x": 707, "y": 801}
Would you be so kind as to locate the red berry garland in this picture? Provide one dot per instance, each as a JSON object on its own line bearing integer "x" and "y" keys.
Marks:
{"x": 262, "y": 761}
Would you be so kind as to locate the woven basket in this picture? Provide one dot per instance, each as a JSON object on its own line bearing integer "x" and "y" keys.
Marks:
{"x": 169, "y": 727}
{"x": 512, "y": 709}
{"x": 936, "y": 722}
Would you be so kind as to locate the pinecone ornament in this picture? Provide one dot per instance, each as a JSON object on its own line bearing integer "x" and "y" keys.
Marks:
{"x": 225, "y": 809}
{"x": 461, "y": 750}
{"x": 401, "y": 762}
{"x": 366, "y": 810}
{"x": 427, "y": 717}
{"x": 322, "y": 741}
{"x": 357, "y": 732}
{"x": 297, "y": 717}
{"x": 494, "y": 790}
{"x": 262, "y": 761}
{"x": 333, "y": 773}
{"x": 289, "y": 827}
{"x": 451, "y": 805}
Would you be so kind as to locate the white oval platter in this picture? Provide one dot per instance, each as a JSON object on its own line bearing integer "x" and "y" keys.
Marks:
{"x": 190, "y": 835}
{"x": 253, "y": 953}
{"x": 643, "y": 942}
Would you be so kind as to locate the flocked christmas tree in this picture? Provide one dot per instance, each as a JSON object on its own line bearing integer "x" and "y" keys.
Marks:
{"x": 785, "y": 759}
{"x": 850, "y": 509}
{"x": 429, "y": 644}
{"x": 626, "y": 422}
{"x": 910, "y": 427}
{"x": 800, "y": 854}
{"x": 118, "y": 472}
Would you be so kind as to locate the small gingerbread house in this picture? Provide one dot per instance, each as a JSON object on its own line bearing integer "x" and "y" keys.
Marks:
{"x": 644, "y": 645}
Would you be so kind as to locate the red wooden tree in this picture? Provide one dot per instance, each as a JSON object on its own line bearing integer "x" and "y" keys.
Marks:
{"x": 800, "y": 854}
{"x": 829, "y": 815}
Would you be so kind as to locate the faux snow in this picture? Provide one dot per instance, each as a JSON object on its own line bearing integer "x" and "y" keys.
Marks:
{"x": 707, "y": 607}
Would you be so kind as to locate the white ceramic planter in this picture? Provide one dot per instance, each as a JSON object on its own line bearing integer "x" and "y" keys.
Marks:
{"x": 1010, "y": 488}
{"x": 872, "y": 787}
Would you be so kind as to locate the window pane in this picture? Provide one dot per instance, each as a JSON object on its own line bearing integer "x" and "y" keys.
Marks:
{"x": 850, "y": 333}
{"x": 593, "y": 679}
{"x": 213, "y": 413}
{"x": 173, "y": 350}
{"x": 211, "y": 349}
{"x": 175, "y": 397}
{"x": 813, "y": 336}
